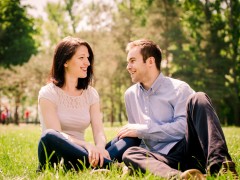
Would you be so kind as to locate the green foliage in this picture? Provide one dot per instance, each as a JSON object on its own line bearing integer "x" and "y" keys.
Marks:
{"x": 135, "y": 9}
{"x": 74, "y": 17}
{"x": 22, "y": 83}
{"x": 199, "y": 40}
{"x": 18, "y": 155}
{"x": 16, "y": 34}
{"x": 213, "y": 59}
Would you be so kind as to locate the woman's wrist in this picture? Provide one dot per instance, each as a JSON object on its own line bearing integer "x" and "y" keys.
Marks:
{"x": 101, "y": 145}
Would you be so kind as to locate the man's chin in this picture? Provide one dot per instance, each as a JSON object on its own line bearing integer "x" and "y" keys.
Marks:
{"x": 134, "y": 81}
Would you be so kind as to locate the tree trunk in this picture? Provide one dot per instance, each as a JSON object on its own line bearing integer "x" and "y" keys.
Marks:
{"x": 237, "y": 114}
{"x": 16, "y": 115}
{"x": 36, "y": 118}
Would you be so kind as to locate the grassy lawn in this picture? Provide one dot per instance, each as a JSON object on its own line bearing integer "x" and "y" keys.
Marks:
{"x": 18, "y": 155}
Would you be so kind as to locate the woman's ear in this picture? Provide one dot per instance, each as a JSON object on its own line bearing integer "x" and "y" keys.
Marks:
{"x": 65, "y": 64}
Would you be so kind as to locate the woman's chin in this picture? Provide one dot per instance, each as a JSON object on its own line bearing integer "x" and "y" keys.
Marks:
{"x": 82, "y": 76}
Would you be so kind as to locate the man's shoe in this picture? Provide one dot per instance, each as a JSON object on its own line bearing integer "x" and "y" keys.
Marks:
{"x": 229, "y": 167}
{"x": 192, "y": 174}
{"x": 126, "y": 171}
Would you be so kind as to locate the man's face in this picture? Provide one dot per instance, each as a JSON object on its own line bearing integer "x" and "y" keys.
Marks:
{"x": 136, "y": 67}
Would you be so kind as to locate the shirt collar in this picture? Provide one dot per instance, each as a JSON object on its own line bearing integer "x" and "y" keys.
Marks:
{"x": 155, "y": 86}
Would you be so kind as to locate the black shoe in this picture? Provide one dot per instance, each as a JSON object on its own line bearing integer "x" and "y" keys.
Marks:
{"x": 39, "y": 169}
{"x": 229, "y": 167}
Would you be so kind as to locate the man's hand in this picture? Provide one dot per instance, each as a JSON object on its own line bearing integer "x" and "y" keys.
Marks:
{"x": 129, "y": 130}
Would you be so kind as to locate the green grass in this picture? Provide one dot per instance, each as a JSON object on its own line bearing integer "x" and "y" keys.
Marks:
{"x": 18, "y": 155}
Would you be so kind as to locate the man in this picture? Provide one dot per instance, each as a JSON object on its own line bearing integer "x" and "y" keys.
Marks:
{"x": 180, "y": 131}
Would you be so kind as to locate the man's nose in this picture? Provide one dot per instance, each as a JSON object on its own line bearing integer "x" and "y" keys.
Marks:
{"x": 128, "y": 66}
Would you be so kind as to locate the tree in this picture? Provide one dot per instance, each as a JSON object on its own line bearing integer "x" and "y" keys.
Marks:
{"x": 22, "y": 83}
{"x": 71, "y": 6}
{"x": 129, "y": 21}
{"x": 164, "y": 27}
{"x": 56, "y": 26}
{"x": 232, "y": 38}
{"x": 63, "y": 19}
{"x": 14, "y": 87}
{"x": 214, "y": 33}
{"x": 16, "y": 34}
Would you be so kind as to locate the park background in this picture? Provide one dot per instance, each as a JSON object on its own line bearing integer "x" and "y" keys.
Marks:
{"x": 199, "y": 40}
{"x": 200, "y": 43}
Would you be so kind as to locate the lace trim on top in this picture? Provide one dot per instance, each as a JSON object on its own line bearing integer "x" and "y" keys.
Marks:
{"x": 68, "y": 101}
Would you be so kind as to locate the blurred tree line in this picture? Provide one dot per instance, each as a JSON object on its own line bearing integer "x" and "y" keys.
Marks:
{"x": 199, "y": 39}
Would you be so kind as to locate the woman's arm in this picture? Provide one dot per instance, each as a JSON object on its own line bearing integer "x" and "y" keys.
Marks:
{"x": 49, "y": 114}
{"x": 51, "y": 121}
{"x": 97, "y": 125}
{"x": 98, "y": 131}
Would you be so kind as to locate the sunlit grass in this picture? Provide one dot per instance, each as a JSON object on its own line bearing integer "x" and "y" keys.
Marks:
{"x": 18, "y": 155}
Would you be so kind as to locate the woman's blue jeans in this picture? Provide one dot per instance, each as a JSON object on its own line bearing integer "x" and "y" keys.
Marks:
{"x": 53, "y": 147}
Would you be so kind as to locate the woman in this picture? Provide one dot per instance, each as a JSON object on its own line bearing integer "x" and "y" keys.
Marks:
{"x": 67, "y": 106}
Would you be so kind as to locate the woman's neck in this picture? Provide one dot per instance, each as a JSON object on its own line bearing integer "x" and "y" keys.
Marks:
{"x": 70, "y": 87}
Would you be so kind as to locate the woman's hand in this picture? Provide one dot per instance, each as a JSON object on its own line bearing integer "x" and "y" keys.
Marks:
{"x": 95, "y": 155}
{"x": 104, "y": 154}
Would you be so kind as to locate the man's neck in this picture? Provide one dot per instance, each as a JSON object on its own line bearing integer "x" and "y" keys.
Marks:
{"x": 153, "y": 76}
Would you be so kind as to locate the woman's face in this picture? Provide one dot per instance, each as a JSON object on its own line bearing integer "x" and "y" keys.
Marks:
{"x": 77, "y": 66}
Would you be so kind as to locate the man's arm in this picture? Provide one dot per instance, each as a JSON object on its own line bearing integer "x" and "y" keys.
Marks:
{"x": 172, "y": 130}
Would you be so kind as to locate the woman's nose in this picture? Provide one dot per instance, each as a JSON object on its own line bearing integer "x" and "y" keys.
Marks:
{"x": 87, "y": 62}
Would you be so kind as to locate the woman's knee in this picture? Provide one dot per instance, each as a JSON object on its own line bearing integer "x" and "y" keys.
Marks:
{"x": 49, "y": 135}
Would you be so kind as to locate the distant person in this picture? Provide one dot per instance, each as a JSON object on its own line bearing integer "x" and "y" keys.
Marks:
{"x": 3, "y": 117}
{"x": 26, "y": 116}
{"x": 8, "y": 112}
{"x": 68, "y": 104}
{"x": 180, "y": 131}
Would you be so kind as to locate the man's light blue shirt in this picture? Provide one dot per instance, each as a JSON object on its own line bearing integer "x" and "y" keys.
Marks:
{"x": 158, "y": 114}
